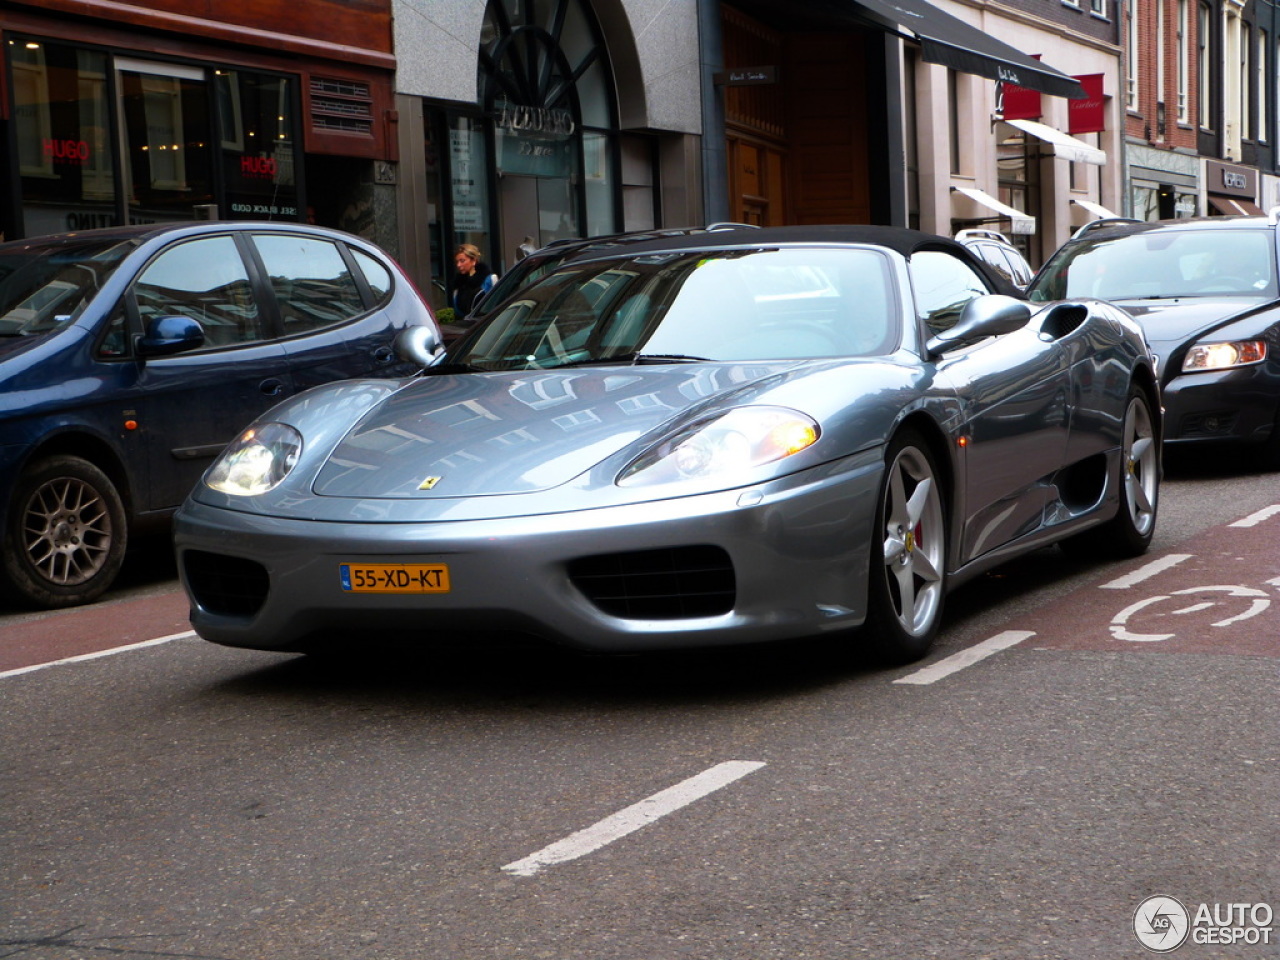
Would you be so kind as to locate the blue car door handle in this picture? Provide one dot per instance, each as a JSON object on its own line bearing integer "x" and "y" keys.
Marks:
{"x": 271, "y": 387}
{"x": 384, "y": 355}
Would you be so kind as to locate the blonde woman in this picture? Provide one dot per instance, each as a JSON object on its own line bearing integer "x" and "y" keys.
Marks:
{"x": 472, "y": 277}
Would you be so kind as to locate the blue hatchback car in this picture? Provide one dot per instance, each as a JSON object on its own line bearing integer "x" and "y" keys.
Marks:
{"x": 129, "y": 357}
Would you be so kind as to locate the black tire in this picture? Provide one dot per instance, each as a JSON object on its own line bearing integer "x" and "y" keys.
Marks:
{"x": 908, "y": 554}
{"x": 1129, "y": 532}
{"x": 65, "y": 536}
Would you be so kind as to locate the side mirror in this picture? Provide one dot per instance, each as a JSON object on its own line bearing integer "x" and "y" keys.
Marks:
{"x": 419, "y": 345}
{"x": 988, "y": 316}
{"x": 170, "y": 335}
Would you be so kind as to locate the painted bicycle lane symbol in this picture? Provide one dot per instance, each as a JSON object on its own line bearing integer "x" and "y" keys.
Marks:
{"x": 1228, "y": 603}
{"x": 1221, "y": 597}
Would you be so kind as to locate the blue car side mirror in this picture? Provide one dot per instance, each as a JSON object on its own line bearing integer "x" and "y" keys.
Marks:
{"x": 169, "y": 335}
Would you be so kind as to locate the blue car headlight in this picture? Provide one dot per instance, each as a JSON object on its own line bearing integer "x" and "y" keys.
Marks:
{"x": 256, "y": 461}
{"x": 723, "y": 445}
{"x": 1224, "y": 356}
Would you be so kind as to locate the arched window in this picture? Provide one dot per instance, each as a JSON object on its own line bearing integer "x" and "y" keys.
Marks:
{"x": 547, "y": 90}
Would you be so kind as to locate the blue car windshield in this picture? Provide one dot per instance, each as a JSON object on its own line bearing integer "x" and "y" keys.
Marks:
{"x": 45, "y": 286}
{"x": 730, "y": 305}
{"x": 1162, "y": 264}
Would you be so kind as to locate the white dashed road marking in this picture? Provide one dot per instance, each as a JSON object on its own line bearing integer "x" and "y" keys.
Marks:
{"x": 634, "y": 817}
{"x": 966, "y": 658}
{"x": 1254, "y": 519}
{"x": 1146, "y": 571}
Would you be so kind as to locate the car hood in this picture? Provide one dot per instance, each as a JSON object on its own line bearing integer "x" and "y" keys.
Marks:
{"x": 493, "y": 434}
{"x": 1178, "y": 320}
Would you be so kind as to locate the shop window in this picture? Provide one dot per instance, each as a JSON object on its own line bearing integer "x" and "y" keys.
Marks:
{"x": 468, "y": 167}
{"x": 597, "y": 173}
{"x": 256, "y": 121}
{"x": 166, "y": 129}
{"x": 63, "y": 136}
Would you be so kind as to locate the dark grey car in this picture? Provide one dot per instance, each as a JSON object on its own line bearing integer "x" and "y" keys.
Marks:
{"x": 735, "y": 437}
{"x": 1207, "y": 293}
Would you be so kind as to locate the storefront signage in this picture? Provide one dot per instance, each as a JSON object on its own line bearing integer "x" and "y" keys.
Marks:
{"x": 534, "y": 141}
{"x": 66, "y": 151}
{"x": 746, "y": 76}
{"x": 258, "y": 168}
{"x": 1235, "y": 181}
{"x": 1017, "y": 103}
{"x": 1088, "y": 115}
{"x": 535, "y": 120}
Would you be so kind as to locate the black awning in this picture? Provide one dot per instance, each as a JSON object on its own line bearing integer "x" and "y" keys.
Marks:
{"x": 944, "y": 39}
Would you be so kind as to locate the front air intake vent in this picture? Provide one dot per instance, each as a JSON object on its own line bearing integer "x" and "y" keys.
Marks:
{"x": 668, "y": 584}
{"x": 228, "y": 586}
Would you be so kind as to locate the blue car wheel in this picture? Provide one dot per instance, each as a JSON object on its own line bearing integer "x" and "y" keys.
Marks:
{"x": 66, "y": 535}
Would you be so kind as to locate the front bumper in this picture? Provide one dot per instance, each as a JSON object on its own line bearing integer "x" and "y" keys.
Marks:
{"x": 798, "y": 549}
{"x": 1239, "y": 405}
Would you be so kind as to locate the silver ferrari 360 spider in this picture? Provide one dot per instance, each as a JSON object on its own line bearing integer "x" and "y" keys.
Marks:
{"x": 720, "y": 438}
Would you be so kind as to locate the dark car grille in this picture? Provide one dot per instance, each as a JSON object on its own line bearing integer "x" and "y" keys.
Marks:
{"x": 667, "y": 584}
{"x": 229, "y": 586}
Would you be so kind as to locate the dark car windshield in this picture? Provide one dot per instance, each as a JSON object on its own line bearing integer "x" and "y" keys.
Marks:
{"x": 720, "y": 305}
{"x": 45, "y": 286}
{"x": 525, "y": 271}
{"x": 1162, "y": 264}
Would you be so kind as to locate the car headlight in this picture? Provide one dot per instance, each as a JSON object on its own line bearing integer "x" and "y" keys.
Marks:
{"x": 256, "y": 461}
{"x": 727, "y": 443}
{"x": 1223, "y": 356}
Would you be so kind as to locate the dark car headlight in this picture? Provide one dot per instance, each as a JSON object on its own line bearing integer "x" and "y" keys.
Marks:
{"x": 1223, "y": 356}
{"x": 726, "y": 444}
{"x": 256, "y": 461}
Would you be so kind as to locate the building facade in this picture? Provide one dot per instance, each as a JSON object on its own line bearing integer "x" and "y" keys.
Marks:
{"x": 525, "y": 122}
{"x": 423, "y": 124}
{"x": 133, "y": 112}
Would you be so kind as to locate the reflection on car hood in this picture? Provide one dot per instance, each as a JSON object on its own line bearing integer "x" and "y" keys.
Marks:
{"x": 509, "y": 433}
{"x": 1171, "y": 322}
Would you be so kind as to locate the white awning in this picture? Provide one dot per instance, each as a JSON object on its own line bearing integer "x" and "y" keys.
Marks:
{"x": 1064, "y": 145}
{"x": 1098, "y": 210}
{"x": 1019, "y": 221}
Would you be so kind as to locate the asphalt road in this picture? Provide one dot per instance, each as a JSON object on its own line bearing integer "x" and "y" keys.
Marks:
{"x": 1018, "y": 794}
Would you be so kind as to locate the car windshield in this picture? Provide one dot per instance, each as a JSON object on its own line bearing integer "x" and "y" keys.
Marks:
{"x": 525, "y": 271}
{"x": 731, "y": 305}
{"x": 1159, "y": 264}
{"x": 43, "y": 287}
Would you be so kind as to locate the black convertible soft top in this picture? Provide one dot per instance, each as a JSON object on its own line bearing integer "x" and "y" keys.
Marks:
{"x": 900, "y": 240}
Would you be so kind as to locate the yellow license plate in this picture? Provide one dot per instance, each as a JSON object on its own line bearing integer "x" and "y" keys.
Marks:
{"x": 394, "y": 577}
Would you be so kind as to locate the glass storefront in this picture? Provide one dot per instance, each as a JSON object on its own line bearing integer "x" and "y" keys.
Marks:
{"x": 539, "y": 160}
{"x": 104, "y": 139}
{"x": 258, "y": 144}
{"x": 1162, "y": 201}
{"x": 62, "y": 126}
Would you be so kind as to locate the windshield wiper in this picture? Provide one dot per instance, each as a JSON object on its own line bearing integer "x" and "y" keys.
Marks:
{"x": 669, "y": 358}
{"x": 631, "y": 359}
